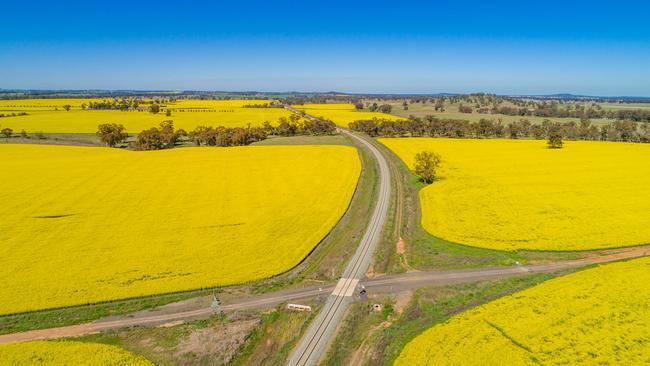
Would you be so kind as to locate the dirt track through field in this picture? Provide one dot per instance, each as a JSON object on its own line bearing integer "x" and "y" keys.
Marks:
{"x": 200, "y": 308}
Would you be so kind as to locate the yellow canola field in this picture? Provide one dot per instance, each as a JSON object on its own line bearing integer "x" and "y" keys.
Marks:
{"x": 65, "y": 353}
{"x": 82, "y": 225}
{"x": 518, "y": 194}
{"x": 84, "y": 121}
{"x": 49, "y": 104}
{"x": 595, "y": 317}
{"x": 216, "y": 104}
{"x": 44, "y": 104}
{"x": 342, "y": 114}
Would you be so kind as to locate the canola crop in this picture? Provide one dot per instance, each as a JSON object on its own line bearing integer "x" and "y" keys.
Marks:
{"x": 49, "y": 104}
{"x": 83, "y": 225}
{"x": 186, "y": 114}
{"x": 64, "y": 353}
{"x": 595, "y": 317}
{"x": 518, "y": 194}
{"x": 342, "y": 114}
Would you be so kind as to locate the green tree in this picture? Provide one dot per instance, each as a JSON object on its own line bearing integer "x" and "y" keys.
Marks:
{"x": 111, "y": 134}
{"x": 7, "y": 132}
{"x": 151, "y": 139}
{"x": 426, "y": 165}
{"x": 169, "y": 135}
{"x": 385, "y": 108}
{"x": 555, "y": 140}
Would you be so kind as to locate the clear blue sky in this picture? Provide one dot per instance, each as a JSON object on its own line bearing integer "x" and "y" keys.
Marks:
{"x": 507, "y": 47}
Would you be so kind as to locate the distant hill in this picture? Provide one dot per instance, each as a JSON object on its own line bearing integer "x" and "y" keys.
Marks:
{"x": 35, "y": 93}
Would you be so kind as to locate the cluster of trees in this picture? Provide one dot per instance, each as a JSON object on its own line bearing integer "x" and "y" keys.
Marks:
{"x": 294, "y": 125}
{"x": 157, "y": 138}
{"x": 2, "y": 115}
{"x": 165, "y": 136}
{"x": 226, "y": 136}
{"x": 574, "y": 111}
{"x": 374, "y": 107}
{"x": 125, "y": 104}
{"x": 122, "y": 104}
{"x": 464, "y": 108}
{"x": 488, "y": 128}
{"x": 267, "y": 105}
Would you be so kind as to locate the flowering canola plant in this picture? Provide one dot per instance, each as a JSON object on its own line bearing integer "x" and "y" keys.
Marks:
{"x": 598, "y": 316}
{"x": 342, "y": 114}
{"x": 83, "y": 225}
{"x": 518, "y": 194}
{"x": 64, "y": 353}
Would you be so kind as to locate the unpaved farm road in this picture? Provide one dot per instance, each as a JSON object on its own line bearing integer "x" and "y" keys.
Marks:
{"x": 200, "y": 308}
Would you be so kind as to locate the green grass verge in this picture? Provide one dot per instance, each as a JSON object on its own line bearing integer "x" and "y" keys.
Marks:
{"x": 86, "y": 313}
{"x": 370, "y": 338}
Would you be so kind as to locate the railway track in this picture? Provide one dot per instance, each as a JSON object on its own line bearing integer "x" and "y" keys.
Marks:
{"x": 319, "y": 334}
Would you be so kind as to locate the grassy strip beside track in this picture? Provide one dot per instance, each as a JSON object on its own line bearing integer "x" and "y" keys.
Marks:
{"x": 370, "y": 338}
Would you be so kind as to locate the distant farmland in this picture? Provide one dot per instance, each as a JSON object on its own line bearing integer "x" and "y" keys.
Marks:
{"x": 451, "y": 111}
{"x": 341, "y": 114}
{"x": 49, "y": 116}
{"x": 82, "y": 225}
{"x": 518, "y": 194}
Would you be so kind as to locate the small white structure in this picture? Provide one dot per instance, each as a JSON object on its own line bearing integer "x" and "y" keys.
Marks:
{"x": 376, "y": 308}
{"x": 298, "y": 307}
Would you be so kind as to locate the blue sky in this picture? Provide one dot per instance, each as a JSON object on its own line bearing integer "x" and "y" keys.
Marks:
{"x": 507, "y": 47}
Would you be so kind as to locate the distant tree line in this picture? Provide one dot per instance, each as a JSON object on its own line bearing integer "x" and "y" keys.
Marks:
{"x": 125, "y": 104}
{"x": 261, "y": 105}
{"x": 3, "y": 115}
{"x": 579, "y": 108}
{"x": 165, "y": 136}
{"x": 576, "y": 111}
{"x": 487, "y": 128}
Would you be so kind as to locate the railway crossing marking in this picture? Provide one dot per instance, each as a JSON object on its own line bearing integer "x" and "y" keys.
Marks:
{"x": 345, "y": 287}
